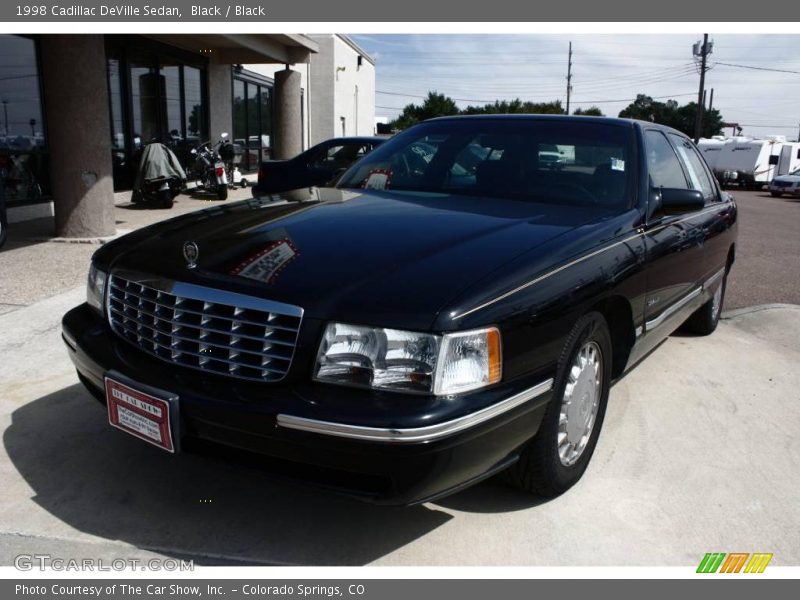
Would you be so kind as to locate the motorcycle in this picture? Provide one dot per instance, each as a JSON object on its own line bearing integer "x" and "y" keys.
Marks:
{"x": 209, "y": 168}
{"x": 160, "y": 176}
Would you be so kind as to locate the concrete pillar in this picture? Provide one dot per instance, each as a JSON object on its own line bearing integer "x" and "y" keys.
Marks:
{"x": 288, "y": 124}
{"x": 78, "y": 134}
{"x": 220, "y": 99}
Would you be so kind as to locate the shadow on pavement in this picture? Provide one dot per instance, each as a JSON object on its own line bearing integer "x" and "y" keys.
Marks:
{"x": 105, "y": 483}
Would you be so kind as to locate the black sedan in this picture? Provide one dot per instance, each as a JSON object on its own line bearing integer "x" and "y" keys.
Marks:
{"x": 454, "y": 308}
{"x": 317, "y": 166}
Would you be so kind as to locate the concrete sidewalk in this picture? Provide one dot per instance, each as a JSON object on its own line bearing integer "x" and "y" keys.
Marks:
{"x": 699, "y": 452}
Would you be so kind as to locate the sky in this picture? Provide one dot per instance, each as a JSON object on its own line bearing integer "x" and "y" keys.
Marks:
{"x": 608, "y": 71}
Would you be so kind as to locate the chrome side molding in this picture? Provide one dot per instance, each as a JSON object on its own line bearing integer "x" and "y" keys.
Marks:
{"x": 672, "y": 309}
{"x": 416, "y": 434}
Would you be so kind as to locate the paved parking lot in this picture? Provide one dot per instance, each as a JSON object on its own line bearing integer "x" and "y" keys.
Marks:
{"x": 699, "y": 450}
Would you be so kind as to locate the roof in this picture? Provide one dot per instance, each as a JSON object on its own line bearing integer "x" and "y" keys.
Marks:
{"x": 570, "y": 118}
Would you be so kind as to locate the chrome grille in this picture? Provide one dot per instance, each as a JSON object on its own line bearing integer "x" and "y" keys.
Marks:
{"x": 196, "y": 327}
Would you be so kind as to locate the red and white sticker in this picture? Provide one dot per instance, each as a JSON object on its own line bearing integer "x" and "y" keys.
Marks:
{"x": 266, "y": 264}
{"x": 139, "y": 414}
{"x": 378, "y": 179}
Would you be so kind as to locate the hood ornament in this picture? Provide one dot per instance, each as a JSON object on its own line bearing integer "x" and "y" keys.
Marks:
{"x": 190, "y": 253}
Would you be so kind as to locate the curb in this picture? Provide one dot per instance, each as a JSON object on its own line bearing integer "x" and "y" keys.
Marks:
{"x": 738, "y": 312}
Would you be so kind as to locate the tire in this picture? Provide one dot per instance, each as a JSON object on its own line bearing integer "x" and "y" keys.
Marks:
{"x": 244, "y": 183}
{"x": 541, "y": 468}
{"x": 776, "y": 194}
{"x": 165, "y": 199}
{"x": 222, "y": 192}
{"x": 136, "y": 197}
{"x": 706, "y": 318}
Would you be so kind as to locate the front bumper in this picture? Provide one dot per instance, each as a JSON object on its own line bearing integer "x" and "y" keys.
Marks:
{"x": 302, "y": 430}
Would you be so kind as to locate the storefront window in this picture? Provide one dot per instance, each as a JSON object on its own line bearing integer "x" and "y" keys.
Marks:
{"x": 22, "y": 137}
{"x": 252, "y": 119}
{"x": 171, "y": 101}
{"x": 193, "y": 102}
{"x": 156, "y": 93}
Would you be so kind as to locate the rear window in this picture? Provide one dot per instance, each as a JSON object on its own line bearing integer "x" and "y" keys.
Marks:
{"x": 562, "y": 162}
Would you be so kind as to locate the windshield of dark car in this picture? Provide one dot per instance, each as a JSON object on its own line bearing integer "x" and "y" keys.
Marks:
{"x": 542, "y": 160}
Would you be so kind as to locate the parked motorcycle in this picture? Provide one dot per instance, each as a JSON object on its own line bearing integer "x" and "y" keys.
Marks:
{"x": 209, "y": 168}
{"x": 232, "y": 155}
{"x": 160, "y": 177}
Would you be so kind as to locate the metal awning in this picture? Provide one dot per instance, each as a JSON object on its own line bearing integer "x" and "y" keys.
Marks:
{"x": 245, "y": 48}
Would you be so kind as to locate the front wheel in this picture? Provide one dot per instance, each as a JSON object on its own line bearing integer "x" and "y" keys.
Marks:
{"x": 556, "y": 458}
{"x": 706, "y": 318}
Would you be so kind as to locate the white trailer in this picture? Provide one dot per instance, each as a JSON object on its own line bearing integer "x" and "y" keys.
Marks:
{"x": 749, "y": 162}
{"x": 711, "y": 148}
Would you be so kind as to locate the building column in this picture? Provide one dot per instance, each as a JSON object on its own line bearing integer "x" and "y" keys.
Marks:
{"x": 288, "y": 124}
{"x": 78, "y": 134}
{"x": 220, "y": 99}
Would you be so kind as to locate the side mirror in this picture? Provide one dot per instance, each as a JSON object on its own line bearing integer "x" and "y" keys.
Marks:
{"x": 673, "y": 201}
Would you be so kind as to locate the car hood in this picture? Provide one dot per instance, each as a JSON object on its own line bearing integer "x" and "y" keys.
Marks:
{"x": 384, "y": 258}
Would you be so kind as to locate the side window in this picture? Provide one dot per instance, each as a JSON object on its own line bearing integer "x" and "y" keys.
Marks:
{"x": 665, "y": 170}
{"x": 328, "y": 157}
{"x": 698, "y": 175}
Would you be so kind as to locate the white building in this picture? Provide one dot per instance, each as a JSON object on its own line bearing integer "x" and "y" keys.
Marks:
{"x": 338, "y": 89}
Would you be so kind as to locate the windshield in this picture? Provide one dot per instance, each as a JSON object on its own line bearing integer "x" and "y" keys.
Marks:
{"x": 540, "y": 160}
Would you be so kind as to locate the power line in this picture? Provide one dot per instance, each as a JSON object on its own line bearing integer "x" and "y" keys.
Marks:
{"x": 757, "y": 68}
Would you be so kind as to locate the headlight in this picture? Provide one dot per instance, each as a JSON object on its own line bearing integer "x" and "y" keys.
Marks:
{"x": 392, "y": 359}
{"x": 95, "y": 288}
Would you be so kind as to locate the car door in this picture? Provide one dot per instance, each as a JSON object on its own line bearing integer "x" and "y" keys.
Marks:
{"x": 674, "y": 243}
{"x": 713, "y": 223}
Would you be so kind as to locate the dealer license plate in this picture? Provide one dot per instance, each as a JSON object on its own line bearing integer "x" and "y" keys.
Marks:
{"x": 149, "y": 415}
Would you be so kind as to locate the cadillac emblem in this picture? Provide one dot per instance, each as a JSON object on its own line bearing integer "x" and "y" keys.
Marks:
{"x": 190, "y": 253}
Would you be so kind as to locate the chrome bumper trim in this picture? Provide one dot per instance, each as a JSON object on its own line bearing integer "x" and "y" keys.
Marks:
{"x": 416, "y": 434}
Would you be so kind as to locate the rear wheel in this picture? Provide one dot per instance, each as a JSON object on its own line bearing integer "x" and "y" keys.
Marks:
{"x": 222, "y": 192}
{"x": 165, "y": 198}
{"x": 706, "y": 318}
{"x": 556, "y": 458}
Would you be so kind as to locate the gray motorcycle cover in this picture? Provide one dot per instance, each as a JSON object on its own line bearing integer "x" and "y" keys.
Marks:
{"x": 158, "y": 161}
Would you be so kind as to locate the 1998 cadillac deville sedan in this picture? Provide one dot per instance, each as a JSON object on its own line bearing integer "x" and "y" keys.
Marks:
{"x": 453, "y": 308}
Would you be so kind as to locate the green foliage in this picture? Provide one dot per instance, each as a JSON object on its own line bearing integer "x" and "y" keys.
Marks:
{"x": 592, "y": 111}
{"x": 435, "y": 105}
{"x": 439, "y": 105}
{"x": 672, "y": 114}
{"x": 517, "y": 106}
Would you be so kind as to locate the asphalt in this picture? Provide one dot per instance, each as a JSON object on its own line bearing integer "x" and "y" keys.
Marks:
{"x": 699, "y": 453}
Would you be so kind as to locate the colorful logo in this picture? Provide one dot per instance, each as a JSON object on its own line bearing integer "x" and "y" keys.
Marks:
{"x": 735, "y": 562}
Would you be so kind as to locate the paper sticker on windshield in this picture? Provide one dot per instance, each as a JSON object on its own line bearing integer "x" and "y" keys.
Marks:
{"x": 266, "y": 264}
{"x": 617, "y": 164}
{"x": 378, "y": 179}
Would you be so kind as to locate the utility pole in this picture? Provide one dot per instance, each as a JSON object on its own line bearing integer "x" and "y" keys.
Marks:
{"x": 569, "y": 75}
{"x": 711, "y": 101}
{"x": 702, "y": 52}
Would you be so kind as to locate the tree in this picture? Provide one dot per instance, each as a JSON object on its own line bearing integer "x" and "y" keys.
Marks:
{"x": 517, "y": 106}
{"x": 670, "y": 113}
{"x": 435, "y": 105}
{"x": 592, "y": 111}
